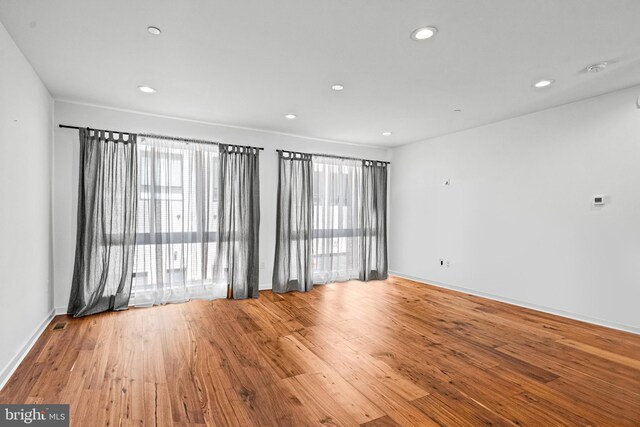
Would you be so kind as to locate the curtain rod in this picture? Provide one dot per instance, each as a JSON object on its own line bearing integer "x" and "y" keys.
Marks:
{"x": 332, "y": 156}
{"x": 150, "y": 135}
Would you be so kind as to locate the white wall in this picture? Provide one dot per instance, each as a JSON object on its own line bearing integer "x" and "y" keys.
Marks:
{"x": 26, "y": 295}
{"x": 517, "y": 222}
{"x": 66, "y": 172}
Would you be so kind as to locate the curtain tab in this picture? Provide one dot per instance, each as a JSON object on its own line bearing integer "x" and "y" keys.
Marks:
{"x": 239, "y": 149}
{"x": 108, "y": 136}
{"x": 293, "y": 155}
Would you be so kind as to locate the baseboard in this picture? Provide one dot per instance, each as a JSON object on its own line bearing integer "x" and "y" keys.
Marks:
{"x": 60, "y": 310}
{"x": 10, "y": 368}
{"x": 265, "y": 287}
{"x": 561, "y": 313}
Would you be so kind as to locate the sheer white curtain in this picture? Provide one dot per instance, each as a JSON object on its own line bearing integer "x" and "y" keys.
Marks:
{"x": 337, "y": 204}
{"x": 176, "y": 222}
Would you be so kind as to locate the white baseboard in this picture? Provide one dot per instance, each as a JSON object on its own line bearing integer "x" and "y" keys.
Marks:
{"x": 574, "y": 316}
{"x": 264, "y": 286}
{"x": 10, "y": 368}
{"x": 61, "y": 310}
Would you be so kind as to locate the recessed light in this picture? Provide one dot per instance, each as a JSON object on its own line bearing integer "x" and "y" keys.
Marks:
{"x": 146, "y": 89}
{"x": 424, "y": 33}
{"x": 337, "y": 87}
{"x": 290, "y": 116}
{"x": 543, "y": 83}
{"x": 154, "y": 30}
{"x": 386, "y": 133}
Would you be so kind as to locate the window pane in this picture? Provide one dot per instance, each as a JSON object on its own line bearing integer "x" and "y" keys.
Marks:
{"x": 336, "y": 218}
{"x": 177, "y": 221}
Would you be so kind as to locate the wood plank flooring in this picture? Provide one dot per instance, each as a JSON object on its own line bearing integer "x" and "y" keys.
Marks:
{"x": 392, "y": 353}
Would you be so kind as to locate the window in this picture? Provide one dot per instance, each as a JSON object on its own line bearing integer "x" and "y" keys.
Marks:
{"x": 176, "y": 221}
{"x": 336, "y": 219}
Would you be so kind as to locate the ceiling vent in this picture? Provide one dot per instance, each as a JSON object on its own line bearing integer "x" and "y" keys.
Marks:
{"x": 596, "y": 68}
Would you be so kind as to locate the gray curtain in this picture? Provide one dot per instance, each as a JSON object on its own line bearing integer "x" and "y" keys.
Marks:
{"x": 106, "y": 229}
{"x": 293, "y": 264}
{"x": 238, "y": 220}
{"x": 374, "y": 221}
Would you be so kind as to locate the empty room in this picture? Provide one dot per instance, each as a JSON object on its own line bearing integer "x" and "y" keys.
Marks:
{"x": 319, "y": 213}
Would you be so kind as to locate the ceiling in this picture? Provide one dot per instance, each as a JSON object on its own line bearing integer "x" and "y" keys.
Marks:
{"x": 249, "y": 62}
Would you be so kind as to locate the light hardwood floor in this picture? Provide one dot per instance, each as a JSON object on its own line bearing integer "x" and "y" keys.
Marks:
{"x": 392, "y": 353}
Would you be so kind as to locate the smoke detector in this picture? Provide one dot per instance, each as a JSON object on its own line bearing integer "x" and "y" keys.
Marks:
{"x": 596, "y": 68}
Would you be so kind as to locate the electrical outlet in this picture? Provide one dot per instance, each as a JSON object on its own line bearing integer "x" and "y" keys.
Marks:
{"x": 448, "y": 263}
{"x": 262, "y": 265}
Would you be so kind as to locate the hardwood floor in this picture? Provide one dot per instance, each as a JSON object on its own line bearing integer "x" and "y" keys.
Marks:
{"x": 392, "y": 353}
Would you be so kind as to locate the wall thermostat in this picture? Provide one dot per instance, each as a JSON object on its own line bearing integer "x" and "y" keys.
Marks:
{"x": 598, "y": 200}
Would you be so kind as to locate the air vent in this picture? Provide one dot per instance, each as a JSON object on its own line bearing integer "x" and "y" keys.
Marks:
{"x": 59, "y": 325}
{"x": 596, "y": 68}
